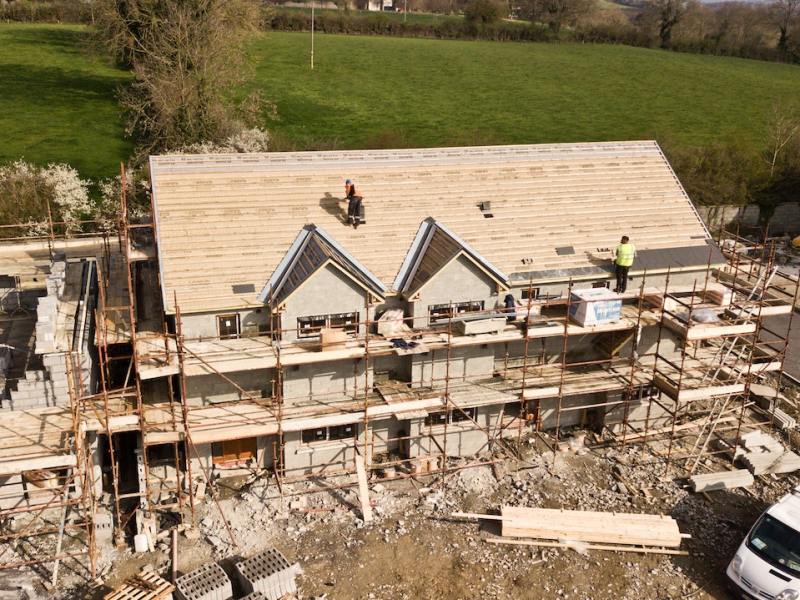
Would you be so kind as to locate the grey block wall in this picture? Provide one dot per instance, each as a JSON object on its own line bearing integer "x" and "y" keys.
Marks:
{"x": 204, "y": 325}
{"x": 460, "y": 281}
{"x": 319, "y": 457}
{"x": 473, "y": 362}
{"x": 207, "y": 389}
{"x": 328, "y": 291}
{"x": 333, "y": 380}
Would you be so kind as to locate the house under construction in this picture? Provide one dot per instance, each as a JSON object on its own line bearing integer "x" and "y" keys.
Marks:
{"x": 248, "y": 328}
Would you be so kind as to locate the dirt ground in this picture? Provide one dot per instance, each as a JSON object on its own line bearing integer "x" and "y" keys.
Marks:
{"x": 416, "y": 549}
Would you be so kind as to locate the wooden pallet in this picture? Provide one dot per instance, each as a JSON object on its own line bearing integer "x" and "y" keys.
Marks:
{"x": 147, "y": 585}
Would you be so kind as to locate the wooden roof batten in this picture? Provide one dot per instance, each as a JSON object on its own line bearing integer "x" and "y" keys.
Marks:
{"x": 224, "y": 222}
{"x": 312, "y": 250}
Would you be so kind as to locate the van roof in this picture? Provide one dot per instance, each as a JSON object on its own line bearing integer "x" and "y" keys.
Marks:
{"x": 787, "y": 509}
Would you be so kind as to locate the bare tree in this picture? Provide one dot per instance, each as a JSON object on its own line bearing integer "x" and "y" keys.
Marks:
{"x": 556, "y": 13}
{"x": 783, "y": 129}
{"x": 186, "y": 57}
{"x": 784, "y": 14}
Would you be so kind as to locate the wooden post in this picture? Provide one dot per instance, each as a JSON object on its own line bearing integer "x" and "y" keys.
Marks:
{"x": 174, "y": 555}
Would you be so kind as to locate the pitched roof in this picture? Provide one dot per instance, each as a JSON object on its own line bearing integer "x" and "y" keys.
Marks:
{"x": 228, "y": 220}
{"x": 435, "y": 247}
{"x": 312, "y": 249}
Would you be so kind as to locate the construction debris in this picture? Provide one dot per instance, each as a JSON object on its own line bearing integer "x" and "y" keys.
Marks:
{"x": 722, "y": 480}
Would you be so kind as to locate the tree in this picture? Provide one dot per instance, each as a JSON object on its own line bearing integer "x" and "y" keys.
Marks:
{"x": 556, "y": 13}
{"x": 482, "y": 11}
{"x": 784, "y": 14}
{"x": 668, "y": 13}
{"x": 186, "y": 57}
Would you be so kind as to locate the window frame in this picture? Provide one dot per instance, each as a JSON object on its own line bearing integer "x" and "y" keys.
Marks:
{"x": 319, "y": 322}
{"x": 237, "y": 326}
{"x": 535, "y": 292}
{"x": 453, "y": 416}
{"x": 443, "y": 312}
{"x": 246, "y": 449}
{"x": 332, "y": 433}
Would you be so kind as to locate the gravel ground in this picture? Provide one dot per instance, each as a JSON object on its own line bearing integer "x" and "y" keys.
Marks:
{"x": 414, "y": 548}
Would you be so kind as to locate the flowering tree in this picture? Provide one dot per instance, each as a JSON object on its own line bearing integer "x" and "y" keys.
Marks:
{"x": 31, "y": 193}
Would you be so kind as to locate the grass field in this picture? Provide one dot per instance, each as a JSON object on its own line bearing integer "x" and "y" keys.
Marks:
{"x": 370, "y": 90}
{"x": 57, "y": 104}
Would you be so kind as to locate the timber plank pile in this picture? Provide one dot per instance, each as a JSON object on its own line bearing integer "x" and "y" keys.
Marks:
{"x": 626, "y": 532}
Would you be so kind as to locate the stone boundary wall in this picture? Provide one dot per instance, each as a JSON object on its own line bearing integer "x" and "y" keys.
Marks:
{"x": 786, "y": 218}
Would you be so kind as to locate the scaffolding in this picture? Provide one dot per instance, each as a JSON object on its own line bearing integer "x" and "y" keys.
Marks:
{"x": 548, "y": 374}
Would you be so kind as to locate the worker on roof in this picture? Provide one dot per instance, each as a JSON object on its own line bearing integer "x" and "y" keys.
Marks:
{"x": 353, "y": 203}
{"x": 624, "y": 254}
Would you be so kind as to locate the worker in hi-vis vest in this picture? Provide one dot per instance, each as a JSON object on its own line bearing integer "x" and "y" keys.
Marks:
{"x": 623, "y": 259}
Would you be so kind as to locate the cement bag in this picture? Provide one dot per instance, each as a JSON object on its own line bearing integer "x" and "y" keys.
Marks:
{"x": 705, "y": 315}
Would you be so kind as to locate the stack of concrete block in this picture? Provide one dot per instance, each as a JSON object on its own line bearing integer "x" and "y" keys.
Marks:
{"x": 767, "y": 398}
{"x": 724, "y": 480}
{"x": 47, "y": 387}
{"x": 209, "y": 582}
{"x": 255, "y": 596}
{"x": 762, "y": 453}
{"x": 47, "y": 309}
{"x": 269, "y": 573}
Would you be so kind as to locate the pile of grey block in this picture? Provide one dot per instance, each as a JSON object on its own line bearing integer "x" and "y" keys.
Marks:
{"x": 255, "y": 596}
{"x": 268, "y": 573}
{"x": 209, "y": 582}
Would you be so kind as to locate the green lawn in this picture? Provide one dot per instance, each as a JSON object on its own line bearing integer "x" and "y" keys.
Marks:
{"x": 417, "y": 92}
{"x": 56, "y": 103}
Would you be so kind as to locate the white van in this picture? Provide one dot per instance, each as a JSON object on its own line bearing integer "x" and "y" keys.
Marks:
{"x": 767, "y": 564}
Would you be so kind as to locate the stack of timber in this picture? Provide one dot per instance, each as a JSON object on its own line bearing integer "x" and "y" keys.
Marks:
{"x": 762, "y": 454}
{"x": 718, "y": 294}
{"x": 625, "y": 532}
{"x": 723, "y": 480}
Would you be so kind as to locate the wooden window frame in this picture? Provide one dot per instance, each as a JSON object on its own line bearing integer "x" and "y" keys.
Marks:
{"x": 329, "y": 321}
{"x": 234, "y": 452}
{"x": 535, "y": 292}
{"x": 442, "y": 312}
{"x": 238, "y": 326}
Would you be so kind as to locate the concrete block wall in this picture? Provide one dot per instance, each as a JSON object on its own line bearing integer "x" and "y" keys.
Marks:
{"x": 330, "y": 380}
{"x": 463, "y": 439}
{"x": 49, "y": 386}
{"x": 319, "y": 457}
{"x": 328, "y": 291}
{"x": 207, "y": 389}
{"x": 209, "y": 582}
{"x": 459, "y": 281}
{"x": 204, "y": 325}
{"x": 472, "y": 362}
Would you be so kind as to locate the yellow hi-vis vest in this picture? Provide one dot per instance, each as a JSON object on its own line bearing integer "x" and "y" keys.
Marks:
{"x": 625, "y": 254}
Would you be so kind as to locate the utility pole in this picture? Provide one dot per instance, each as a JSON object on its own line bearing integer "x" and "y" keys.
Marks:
{"x": 312, "y": 35}
{"x": 405, "y": 10}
